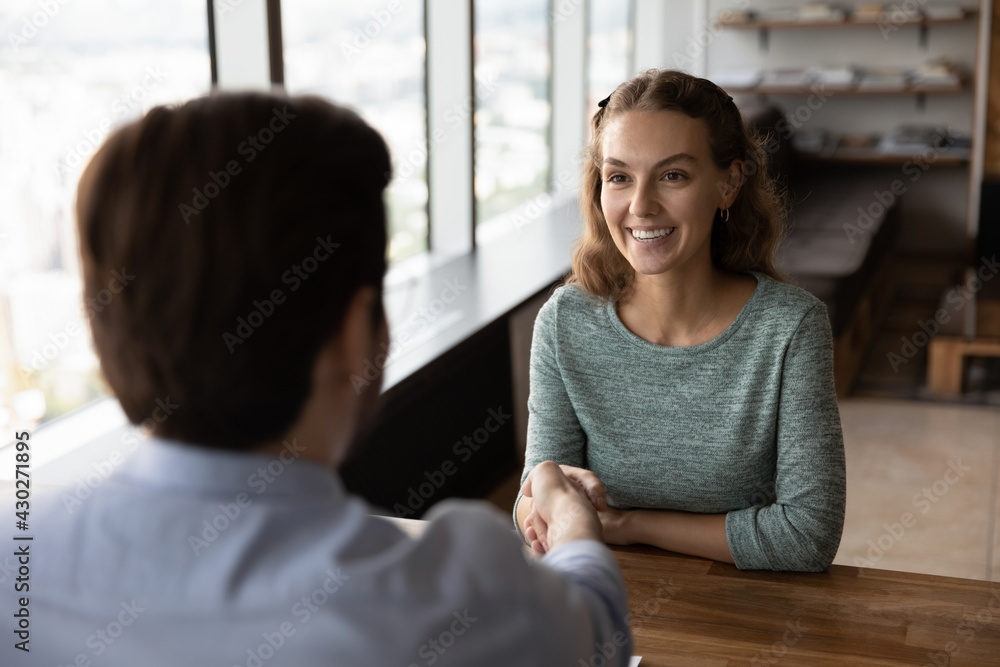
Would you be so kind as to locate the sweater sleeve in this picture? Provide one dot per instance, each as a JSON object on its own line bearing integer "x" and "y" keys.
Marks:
{"x": 801, "y": 529}
{"x": 554, "y": 432}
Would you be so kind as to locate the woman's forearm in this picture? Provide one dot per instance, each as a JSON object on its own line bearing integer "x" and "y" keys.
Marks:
{"x": 694, "y": 534}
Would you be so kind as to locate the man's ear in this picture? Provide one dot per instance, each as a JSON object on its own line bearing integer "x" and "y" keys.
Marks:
{"x": 344, "y": 355}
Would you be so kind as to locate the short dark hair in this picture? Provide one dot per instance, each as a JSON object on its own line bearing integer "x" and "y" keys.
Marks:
{"x": 233, "y": 232}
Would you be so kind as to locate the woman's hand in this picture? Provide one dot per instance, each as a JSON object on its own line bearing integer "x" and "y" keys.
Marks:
{"x": 613, "y": 523}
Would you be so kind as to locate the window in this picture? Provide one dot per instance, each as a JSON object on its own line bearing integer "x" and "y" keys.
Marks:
{"x": 512, "y": 66}
{"x": 370, "y": 55}
{"x": 70, "y": 73}
{"x": 609, "y": 45}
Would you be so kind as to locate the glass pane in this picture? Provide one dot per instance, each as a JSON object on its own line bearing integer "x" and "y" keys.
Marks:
{"x": 370, "y": 56}
{"x": 513, "y": 69}
{"x": 70, "y": 73}
{"x": 609, "y": 43}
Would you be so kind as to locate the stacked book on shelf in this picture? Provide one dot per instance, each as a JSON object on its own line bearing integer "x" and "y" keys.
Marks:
{"x": 737, "y": 78}
{"x": 784, "y": 77}
{"x": 858, "y": 145}
{"x": 834, "y": 77}
{"x": 862, "y": 12}
{"x": 944, "y": 11}
{"x": 883, "y": 79}
{"x": 905, "y": 141}
{"x": 820, "y": 11}
{"x": 868, "y": 12}
{"x": 919, "y": 139}
{"x": 818, "y": 142}
{"x": 940, "y": 74}
{"x": 736, "y": 16}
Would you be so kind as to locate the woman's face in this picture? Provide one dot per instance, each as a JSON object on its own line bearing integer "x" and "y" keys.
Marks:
{"x": 660, "y": 189}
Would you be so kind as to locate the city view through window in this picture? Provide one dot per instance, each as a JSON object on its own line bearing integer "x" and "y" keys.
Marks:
{"x": 69, "y": 74}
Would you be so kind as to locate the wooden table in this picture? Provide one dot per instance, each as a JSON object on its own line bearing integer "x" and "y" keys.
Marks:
{"x": 691, "y": 611}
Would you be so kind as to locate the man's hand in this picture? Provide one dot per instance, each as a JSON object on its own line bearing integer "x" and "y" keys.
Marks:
{"x": 560, "y": 511}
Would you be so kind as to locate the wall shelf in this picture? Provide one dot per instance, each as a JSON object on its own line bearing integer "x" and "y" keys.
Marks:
{"x": 924, "y": 23}
{"x": 893, "y": 60}
{"x": 849, "y": 22}
{"x": 875, "y": 157}
{"x": 845, "y": 90}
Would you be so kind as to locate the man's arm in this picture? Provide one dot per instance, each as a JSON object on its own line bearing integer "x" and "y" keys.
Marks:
{"x": 568, "y": 606}
{"x": 567, "y": 525}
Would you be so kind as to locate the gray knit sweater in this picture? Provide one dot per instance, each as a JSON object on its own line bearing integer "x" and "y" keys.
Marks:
{"x": 746, "y": 424}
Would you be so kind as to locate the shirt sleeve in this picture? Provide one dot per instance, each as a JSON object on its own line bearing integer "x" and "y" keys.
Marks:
{"x": 567, "y": 607}
{"x": 801, "y": 529}
{"x": 593, "y": 571}
{"x": 554, "y": 432}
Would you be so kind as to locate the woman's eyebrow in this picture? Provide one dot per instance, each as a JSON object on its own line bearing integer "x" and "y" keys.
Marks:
{"x": 677, "y": 157}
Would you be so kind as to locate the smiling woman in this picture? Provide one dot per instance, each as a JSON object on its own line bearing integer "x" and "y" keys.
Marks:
{"x": 682, "y": 384}
{"x": 690, "y": 134}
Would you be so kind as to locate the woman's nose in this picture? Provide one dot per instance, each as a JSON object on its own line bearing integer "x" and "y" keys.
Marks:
{"x": 643, "y": 202}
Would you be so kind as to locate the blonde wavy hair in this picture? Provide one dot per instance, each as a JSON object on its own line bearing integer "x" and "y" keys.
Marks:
{"x": 756, "y": 222}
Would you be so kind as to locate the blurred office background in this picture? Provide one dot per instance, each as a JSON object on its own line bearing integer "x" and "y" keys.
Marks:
{"x": 485, "y": 105}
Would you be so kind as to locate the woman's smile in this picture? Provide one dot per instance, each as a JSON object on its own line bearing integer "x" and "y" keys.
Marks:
{"x": 651, "y": 237}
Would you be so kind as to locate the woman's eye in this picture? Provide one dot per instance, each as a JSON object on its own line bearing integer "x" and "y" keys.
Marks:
{"x": 673, "y": 176}
{"x": 616, "y": 178}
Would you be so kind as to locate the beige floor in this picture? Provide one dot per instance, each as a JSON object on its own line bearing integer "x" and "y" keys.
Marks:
{"x": 899, "y": 470}
{"x": 895, "y": 450}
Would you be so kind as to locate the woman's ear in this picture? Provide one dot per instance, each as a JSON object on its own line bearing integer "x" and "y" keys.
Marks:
{"x": 734, "y": 180}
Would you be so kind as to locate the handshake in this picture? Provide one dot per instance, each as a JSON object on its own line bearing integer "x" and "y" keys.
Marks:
{"x": 560, "y": 504}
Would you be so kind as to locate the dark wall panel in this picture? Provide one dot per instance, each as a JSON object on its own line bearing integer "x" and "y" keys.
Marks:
{"x": 446, "y": 432}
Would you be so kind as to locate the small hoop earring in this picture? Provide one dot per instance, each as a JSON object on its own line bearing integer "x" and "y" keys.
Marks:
{"x": 724, "y": 215}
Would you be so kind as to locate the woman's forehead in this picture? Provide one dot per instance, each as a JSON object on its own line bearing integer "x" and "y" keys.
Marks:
{"x": 654, "y": 132}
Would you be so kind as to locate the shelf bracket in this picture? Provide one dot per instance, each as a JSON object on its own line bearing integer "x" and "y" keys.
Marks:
{"x": 924, "y": 36}
{"x": 921, "y": 101}
{"x": 763, "y": 38}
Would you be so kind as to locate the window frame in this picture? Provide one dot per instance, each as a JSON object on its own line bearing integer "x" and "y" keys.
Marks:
{"x": 449, "y": 28}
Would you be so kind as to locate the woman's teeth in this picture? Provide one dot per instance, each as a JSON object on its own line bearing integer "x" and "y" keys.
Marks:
{"x": 648, "y": 236}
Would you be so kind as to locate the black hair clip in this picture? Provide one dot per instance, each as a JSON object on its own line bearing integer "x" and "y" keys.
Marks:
{"x": 603, "y": 103}
{"x": 709, "y": 85}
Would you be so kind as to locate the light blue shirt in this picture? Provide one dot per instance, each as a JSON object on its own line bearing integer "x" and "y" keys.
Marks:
{"x": 192, "y": 556}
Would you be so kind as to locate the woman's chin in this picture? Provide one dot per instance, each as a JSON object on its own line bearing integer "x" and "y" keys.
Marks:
{"x": 647, "y": 268}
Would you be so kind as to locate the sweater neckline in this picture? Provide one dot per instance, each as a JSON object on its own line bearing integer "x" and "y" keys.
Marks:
{"x": 616, "y": 323}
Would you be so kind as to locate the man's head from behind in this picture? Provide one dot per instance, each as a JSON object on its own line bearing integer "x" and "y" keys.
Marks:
{"x": 225, "y": 245}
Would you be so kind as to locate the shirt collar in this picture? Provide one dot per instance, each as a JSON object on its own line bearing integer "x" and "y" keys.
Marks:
{"x": 164, "y": 463}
